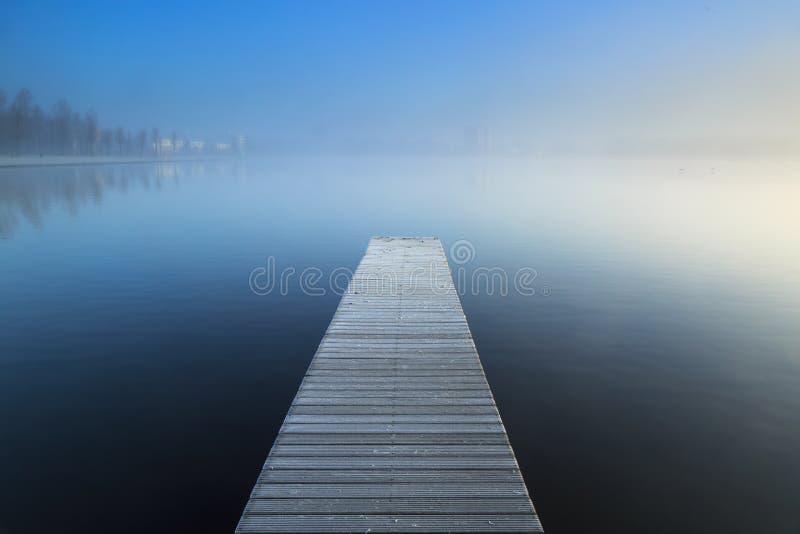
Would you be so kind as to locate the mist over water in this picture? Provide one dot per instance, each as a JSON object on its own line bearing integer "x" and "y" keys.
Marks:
{"x": 142, "y": 382}
{"x": 642, "y": 160}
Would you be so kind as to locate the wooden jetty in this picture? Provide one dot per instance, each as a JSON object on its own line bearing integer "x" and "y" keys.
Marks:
{"x": 394, "y": 427}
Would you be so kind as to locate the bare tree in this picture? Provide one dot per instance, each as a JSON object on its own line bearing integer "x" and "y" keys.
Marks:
{"x": 78, "y": 138}
{"x": 119, "y": 137}
{"x": 141, "y": 140}
{"x": 92, "y": 133}
{"x": 63, "y": 126}
{"x": 3, "y": 121}
{"x": 37, "y": 122}
{"x": 20, "y": 118}
{"x": 156, "y": 141}
{"x": 107, "y": 141}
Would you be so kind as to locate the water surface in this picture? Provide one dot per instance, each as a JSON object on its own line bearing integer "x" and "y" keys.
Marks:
{"x": 651, "y": 383}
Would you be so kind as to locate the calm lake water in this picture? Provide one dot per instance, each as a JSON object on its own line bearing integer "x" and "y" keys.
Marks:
{"x": 652, "y": 383}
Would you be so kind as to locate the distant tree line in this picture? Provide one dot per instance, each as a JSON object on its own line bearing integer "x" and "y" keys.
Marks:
{"x": 27, "y": 129}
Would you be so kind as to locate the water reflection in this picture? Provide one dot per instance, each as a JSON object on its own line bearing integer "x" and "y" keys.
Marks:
{"x": 662, "y": 368}
{"x": 28, "y": 194}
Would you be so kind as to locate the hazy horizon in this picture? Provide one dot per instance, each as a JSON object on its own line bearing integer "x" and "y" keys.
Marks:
{"x": 684, "y": 80}
{"x": 615, "y": 185}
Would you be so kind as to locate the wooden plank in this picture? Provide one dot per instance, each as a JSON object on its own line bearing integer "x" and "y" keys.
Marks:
{"x": 389, "y": 523}
{"x": 386, "y": 476}
{"x": 396, "y": 393}
{"x": 393, "y": 419}
{"x": 477, "y": 488}
{"x": 390, "y": 450}
{"x": 349, "y": 409}
{"x": 392, "y": 462}
{"x": 382, "y": 428}
{"x": 456, "y": 506}
{"x": 328, "y": 400}
{"x": 415, "y": 438}
{"x": 394, "y": 427}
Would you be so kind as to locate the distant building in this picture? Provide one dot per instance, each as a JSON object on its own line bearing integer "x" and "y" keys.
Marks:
{"x": 241, "y": 144}
{"x": 478, "y": 140}
{"x": 197, "y": 146}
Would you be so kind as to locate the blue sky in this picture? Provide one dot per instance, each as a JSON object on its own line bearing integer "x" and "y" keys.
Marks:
{"x": 578, "y": 75}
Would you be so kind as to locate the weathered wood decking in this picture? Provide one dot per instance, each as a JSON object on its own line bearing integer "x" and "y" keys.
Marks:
{"x": 394, "y": 427}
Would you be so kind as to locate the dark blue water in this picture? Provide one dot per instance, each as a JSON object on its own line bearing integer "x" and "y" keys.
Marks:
{"x": 651, "y": 383}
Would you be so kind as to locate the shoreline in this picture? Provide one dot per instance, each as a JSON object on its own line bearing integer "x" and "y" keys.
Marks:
{"x": 12, "y": 162}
